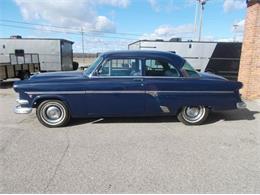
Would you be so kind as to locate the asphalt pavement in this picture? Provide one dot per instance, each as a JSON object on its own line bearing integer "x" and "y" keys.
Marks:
{"x": 129, "y": 155}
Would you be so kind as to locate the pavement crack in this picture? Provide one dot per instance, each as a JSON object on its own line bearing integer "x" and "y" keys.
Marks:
{"x": 59, "y": 162}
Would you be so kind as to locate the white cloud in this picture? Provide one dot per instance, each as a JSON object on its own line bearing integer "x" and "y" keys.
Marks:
{"x": 104, "y": 24}
{"x": 167, "y": 31}
{"x": 69, "y": 13}
{"x": 154, "y": 5}
{"x": 96, "y": 44}
{"x": 230, "y": 5}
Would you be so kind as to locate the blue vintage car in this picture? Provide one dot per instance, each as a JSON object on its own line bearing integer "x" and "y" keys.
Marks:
{"x": 128, "y": 83}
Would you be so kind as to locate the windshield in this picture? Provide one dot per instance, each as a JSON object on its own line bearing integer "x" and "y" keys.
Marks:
{"x": 189, "y": 71}
{"x": 92, "y": 67}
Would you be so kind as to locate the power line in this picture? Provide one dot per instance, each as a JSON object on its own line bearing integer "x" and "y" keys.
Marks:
{"x": 71, "y": 28}
{"x": 79, "y": 30}
{"x": 66, "y": 32}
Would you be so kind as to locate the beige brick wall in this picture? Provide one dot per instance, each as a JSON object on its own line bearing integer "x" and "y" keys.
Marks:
{"x": 249, "y": 71}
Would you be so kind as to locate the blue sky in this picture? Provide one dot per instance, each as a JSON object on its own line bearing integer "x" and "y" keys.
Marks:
{"x": 112, "y": 24}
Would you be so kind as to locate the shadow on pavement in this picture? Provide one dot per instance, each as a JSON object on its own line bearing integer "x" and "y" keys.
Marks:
{"x": 232, "y": 115}
{"x": 214, "y": 117}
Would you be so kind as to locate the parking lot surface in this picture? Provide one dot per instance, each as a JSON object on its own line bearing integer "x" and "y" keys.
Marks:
{"x": 130, "y": 155}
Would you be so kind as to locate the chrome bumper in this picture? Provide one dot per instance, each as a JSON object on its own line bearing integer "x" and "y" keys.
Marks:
{"x": 241, "y": 105}
{"x": 22, "y": 110}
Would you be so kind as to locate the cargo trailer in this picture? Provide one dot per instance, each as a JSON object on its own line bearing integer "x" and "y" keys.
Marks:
{"x": 22, "y": 56}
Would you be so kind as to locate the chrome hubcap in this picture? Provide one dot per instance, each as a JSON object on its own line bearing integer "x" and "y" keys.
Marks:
{"x": 192, "y": 111}
{"x": 193, "y": 114}
{"x": 53, "y": 113}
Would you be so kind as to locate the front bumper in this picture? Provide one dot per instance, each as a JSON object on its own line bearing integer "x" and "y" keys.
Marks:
{"x": 241, "y": 105}
{"x": 21, "y": 107}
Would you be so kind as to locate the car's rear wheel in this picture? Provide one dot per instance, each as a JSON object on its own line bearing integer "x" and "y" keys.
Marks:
{"x": 53, "y": 113}
{"x": 193, "y": 115}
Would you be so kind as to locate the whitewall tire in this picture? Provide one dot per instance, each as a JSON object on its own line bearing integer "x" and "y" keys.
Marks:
{"x": 193, "y": 115}
{"x": 53, "y": 113}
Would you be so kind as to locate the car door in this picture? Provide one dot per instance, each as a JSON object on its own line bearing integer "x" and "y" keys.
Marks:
{"x": 117, "y": 88}
{"x": 161, "y": 80}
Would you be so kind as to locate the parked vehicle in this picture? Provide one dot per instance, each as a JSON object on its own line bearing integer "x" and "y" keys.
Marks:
{"x": 128, "y": 83}
{"x": 20, "y": 66}
{"x": 21, "y": 57}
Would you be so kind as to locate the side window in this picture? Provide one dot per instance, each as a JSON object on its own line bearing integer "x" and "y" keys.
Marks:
{"x": 121, "y": 67}
{"x": 154, "y": 67}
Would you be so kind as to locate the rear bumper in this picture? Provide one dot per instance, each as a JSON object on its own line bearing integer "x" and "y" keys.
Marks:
{"x": 241, "y": 105}
{"x": 21, "y": 107}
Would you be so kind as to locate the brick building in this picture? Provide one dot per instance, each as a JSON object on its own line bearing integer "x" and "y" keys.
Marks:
{"x": 249, "y": 71}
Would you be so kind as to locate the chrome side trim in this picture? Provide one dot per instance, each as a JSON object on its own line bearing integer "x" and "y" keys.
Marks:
{"x": 54, "y": 92}
{"x": 150, "y": 92}
{"x": 214, "y": 92}
{"x": 165, "y": 109}
{"x": 116, "y": 92}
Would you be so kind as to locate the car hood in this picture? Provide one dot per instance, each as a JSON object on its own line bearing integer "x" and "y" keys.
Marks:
{"x": 49, "y": 79}
{"x": 56, "y": 76}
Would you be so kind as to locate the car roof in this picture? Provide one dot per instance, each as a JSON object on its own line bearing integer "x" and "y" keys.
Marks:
{"x": 177, "y": 60}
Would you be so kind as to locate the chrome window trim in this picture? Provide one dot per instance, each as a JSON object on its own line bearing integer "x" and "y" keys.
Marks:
{"x": 119, "y": 77}
{"x": 113, "y": 58}
{"x": 180, "y": 75}
{"x": 94, "y": 70}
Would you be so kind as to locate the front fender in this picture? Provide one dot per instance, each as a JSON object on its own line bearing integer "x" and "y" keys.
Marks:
{"x": 40, "y": 98}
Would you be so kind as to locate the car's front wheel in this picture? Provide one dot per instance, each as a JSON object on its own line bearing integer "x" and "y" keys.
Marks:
{"x": 193, "y": 115}
{"x": 53, "y": 113}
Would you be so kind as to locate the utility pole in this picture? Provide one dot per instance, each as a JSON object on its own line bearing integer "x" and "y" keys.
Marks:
{"x": 235, "y": 26}
{"x": 202, "y": 4}
{"x": 82, "y": 44}
{"x": 195, "y": 20}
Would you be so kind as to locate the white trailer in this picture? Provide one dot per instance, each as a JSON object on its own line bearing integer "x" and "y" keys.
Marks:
{"x": 53, "y": 54}
{"x": 221, "y": 58}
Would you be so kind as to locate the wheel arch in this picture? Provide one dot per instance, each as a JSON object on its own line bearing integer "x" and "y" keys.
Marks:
{"x": 179, "y": 109}
{"x": 39, "y": 99}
